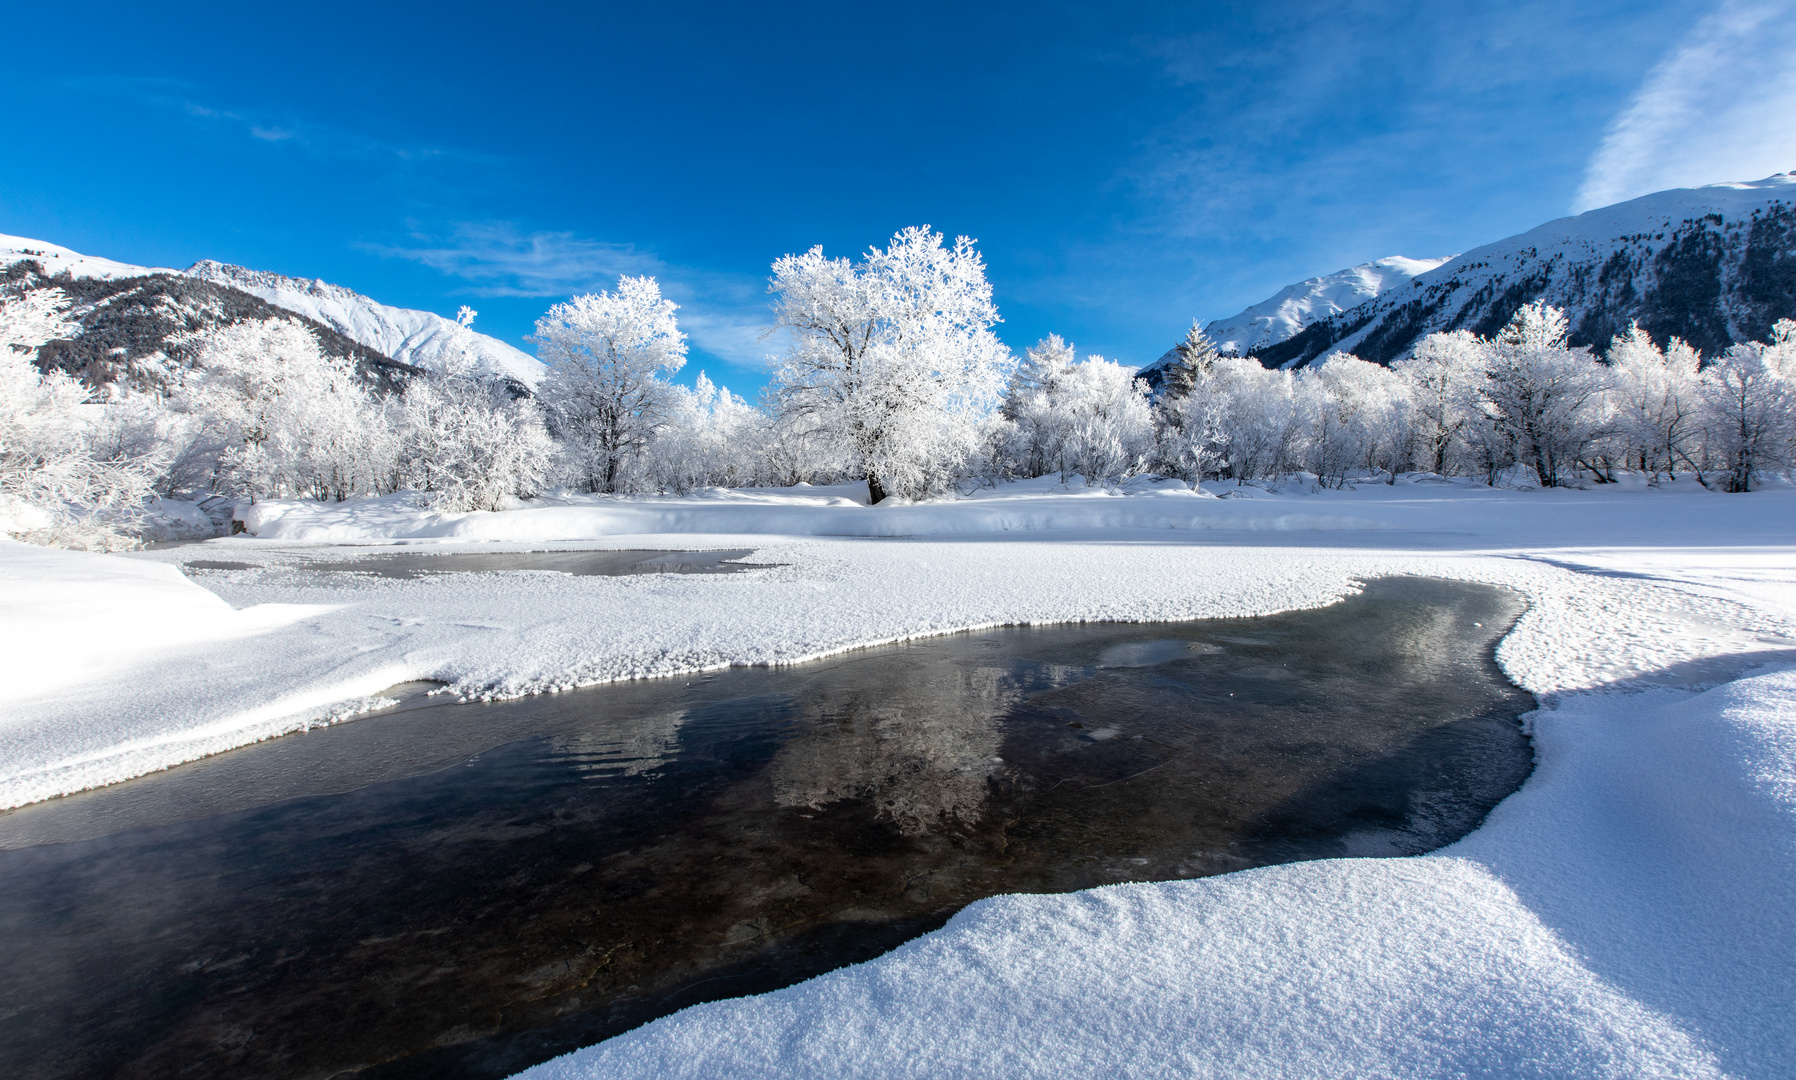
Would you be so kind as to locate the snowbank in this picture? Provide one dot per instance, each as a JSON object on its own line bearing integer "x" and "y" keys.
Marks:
{"x": 833, "y": 511}
{"x": 1625, "y": 914}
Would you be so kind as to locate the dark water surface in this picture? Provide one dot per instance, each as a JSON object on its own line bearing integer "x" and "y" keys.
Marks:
{"x": 464, "y": 890}
{"x": 413, "y": 564}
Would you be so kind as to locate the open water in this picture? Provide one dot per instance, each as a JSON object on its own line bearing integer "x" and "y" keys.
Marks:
{"x": 462, "y": 890}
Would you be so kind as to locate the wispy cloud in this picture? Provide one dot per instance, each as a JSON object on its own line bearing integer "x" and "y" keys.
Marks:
{"x": 1722, "y": 106}
{"x": 722, "y": 313}
{"x": 320, "y": 140}
{"x": 499, "y": 259}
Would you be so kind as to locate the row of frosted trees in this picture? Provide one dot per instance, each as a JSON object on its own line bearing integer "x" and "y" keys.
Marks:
{"x": 891, "y": 377}
{"x": 1521, "y": 402}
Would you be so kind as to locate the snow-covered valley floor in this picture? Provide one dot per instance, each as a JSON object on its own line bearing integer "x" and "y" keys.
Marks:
{"x": 1628, "y": 913}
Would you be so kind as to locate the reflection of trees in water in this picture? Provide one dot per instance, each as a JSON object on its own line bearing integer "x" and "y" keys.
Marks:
{"x": 919, "y": 747}
{"x": 628, "y": 747}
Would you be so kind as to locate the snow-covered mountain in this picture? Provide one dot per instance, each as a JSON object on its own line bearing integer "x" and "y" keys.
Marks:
{"x": 1297, "y": 306}
{"x": 134, "y": 325}
{"x": 411, "y": 337}
{"x": 1713, "y": 265}
{"x": 130, "y": 315}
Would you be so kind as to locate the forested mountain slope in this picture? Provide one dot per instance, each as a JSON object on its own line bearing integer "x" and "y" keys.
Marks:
{"x": 132, "y": 321}
{"x": 1715, "y": 266}
{"x": 138, "y": 330}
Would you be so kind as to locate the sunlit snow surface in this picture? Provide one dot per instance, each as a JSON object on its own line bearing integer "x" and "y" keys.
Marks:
{"x": 1627, "y": 913}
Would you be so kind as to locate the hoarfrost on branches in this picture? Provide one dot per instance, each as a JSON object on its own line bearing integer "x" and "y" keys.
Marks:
{"x": 892, "y": 358}
{"x": 610, "y": 355}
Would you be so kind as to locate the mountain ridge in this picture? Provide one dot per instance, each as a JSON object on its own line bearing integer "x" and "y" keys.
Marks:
{"x": 116, "y": 316}
{"x": 1714, "y": 265}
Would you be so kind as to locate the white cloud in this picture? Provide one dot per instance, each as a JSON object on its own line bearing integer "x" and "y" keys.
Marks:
{"x": 1721, "y": 107}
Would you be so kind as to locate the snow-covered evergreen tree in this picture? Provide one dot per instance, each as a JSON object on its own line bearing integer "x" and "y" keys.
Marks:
{"x": 892, "y": 357}
{"x": 1191, "y": 363}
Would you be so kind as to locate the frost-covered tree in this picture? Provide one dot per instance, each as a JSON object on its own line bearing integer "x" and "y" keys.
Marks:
{"x": 271, "y": 415}
{"x": 1357, "y": 415}
{"x": 468, "y": 441}
{"x": 60, "y": 483}
{"x": 1090, "y": 419}
{"x": 1259, "y": 427}
{"x": 29, "y": 319}
{"x": 1655, "y": 401}
{"x": 1442, "y": 377}
{"x": 712, "y": 439}
{"x": 892, "y": 357}
{"x": 610, "y": 358}
{"x": 1544, "y": 398}
{"x": 1024, "y": 451}
{"x": 1749, "y": 409}
{"x": 1191, "y": 363}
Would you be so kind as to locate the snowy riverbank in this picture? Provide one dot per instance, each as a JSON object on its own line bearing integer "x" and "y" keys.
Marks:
{"x": 1625, "y": 914}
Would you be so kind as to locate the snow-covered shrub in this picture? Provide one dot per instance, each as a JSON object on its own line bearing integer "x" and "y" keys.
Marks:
{"x": 892, "y": 359}
{"x": 607, "y": 396}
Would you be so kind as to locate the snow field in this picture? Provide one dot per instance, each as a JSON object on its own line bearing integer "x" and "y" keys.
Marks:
{"x": 1625, "y": 914}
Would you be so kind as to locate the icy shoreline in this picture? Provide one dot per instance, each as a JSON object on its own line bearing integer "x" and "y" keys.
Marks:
{"x": 1625, "y": 914}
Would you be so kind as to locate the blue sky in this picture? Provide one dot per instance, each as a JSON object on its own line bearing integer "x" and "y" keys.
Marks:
{"x": 1125, "y": 167}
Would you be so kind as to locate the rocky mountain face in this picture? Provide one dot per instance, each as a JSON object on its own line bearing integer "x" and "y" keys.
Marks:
{"x": 138, "y": 330}
{"x": 135, "y": 324}
{"x": 1713, "y": 265}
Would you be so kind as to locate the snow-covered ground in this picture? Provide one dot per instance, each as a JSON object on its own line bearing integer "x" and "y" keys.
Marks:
{"x": 1627, "y": 913}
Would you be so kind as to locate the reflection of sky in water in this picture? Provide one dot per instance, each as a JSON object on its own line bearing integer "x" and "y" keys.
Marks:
{"x": 1151, "y": 653}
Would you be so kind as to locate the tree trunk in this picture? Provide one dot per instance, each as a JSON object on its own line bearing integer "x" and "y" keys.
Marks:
{"x": 876, "y": 491}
